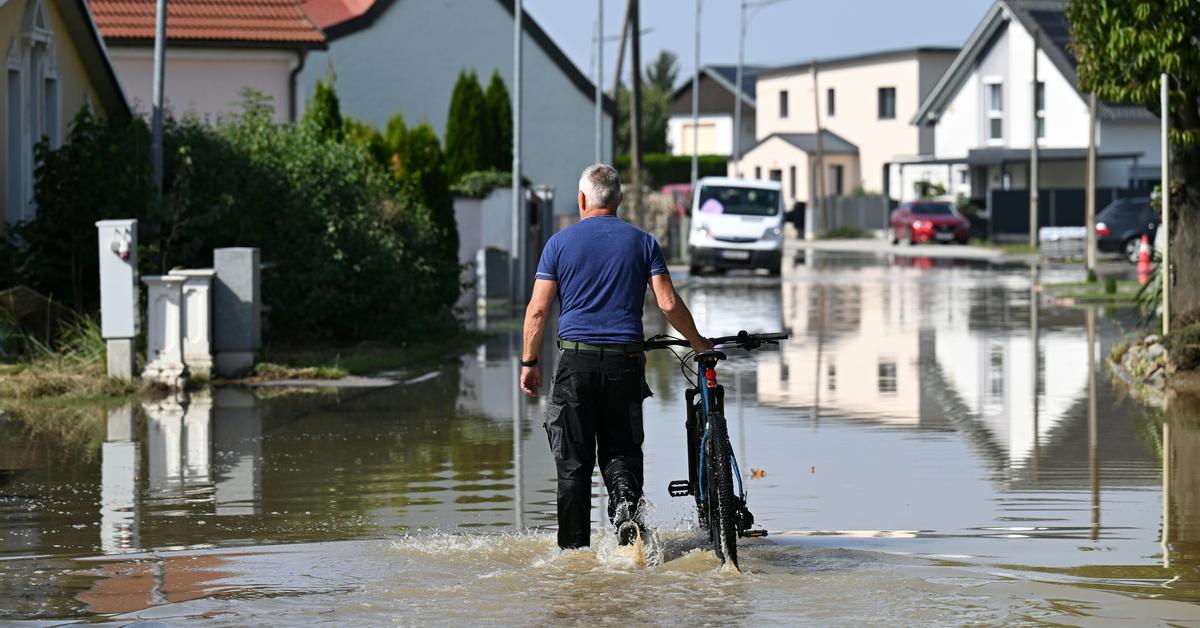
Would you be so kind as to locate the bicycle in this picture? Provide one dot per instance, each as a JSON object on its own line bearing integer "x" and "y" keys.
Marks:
{"x": 712, "y": 466}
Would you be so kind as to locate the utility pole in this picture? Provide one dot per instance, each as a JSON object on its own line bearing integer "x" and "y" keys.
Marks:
{"x": 737, "y": 96}
{"x": 1164, "y": 266}
{"x": 819, "y": 183}
{"x": 635, "y": 108}
{"x": 1090, "y": 237}
{"x": 1033, "y": 150}
{"x": 696, "y": 101}
{"x": 517, "y": 257}
{"x": 599, "y": 79}
{"x": 156, "y": 118}
{"x": 616, "y": 90}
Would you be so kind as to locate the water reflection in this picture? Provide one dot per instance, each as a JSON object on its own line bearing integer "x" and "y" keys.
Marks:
{"x": 1180, "y": 450}
{"x": 120, "y": 459}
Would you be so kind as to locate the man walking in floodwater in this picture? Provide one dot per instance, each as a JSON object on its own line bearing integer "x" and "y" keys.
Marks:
{"x": 599, "y": 269}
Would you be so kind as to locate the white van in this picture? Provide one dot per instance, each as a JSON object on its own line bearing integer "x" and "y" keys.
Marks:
{"x": 736, "y": 223}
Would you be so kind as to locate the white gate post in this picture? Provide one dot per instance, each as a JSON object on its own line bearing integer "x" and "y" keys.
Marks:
{"x": 197, "y": 319}
{"x": 164, "y": 331}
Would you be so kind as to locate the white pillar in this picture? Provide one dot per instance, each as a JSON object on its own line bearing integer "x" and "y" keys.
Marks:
{"x": 164, "y": 331}
{"x": 197, "y": 440}
{"x": 197, "y": 319}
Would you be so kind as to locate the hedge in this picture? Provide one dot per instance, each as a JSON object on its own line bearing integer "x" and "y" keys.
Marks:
{"x": 663, "y": 168}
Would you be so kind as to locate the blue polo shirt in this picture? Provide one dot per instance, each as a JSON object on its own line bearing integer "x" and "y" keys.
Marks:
{"x": 601, "y": 265}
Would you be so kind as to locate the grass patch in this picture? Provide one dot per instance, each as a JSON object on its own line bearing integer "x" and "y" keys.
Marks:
{"x": 362, "y": 359}
{"x": 1107, "y": 291}
{"x": 1009, "y": 248}
{"x": 845, "y": 233}
{"x": 73, "y": 367}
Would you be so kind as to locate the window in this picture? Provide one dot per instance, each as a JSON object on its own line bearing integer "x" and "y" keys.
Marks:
{"x": 783, "y": 104}
{"x": 830, "y": 102}
{"x": 964, "y": 176}
{"x": 995, "y": 112}
{"x": 887, "y": 103}
{"x": 792, "y": 180}
{"x": 775, "y": 174}
{"x": 837, "y": 175}
{"x": 757, "y": 172}
{"x": 831, "y": 377}
{"x": 1040, "y": 97}
{"x": 886, "y": 382}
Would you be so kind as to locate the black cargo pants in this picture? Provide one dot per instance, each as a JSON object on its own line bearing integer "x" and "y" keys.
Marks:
{"x": 595, "y": 400}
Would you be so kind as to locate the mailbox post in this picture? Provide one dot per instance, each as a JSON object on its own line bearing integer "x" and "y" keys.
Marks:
{"x": 118, "y": 293}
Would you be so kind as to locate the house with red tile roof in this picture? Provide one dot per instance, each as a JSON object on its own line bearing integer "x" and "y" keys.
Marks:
{"x": 389, "y": 56}
{"x": 215, "y": 50}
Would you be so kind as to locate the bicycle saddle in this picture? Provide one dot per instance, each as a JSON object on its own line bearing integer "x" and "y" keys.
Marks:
{"x": 711, "y": 354}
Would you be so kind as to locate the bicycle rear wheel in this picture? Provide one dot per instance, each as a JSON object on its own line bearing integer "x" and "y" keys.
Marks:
{"x": 721, "y": 504}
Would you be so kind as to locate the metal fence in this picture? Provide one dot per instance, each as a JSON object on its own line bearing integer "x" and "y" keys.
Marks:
{"x": 1008, "y": 210}
{"x": 869, "y": 213}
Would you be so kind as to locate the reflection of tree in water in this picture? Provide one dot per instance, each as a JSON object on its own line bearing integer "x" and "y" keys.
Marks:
{"x": 380, "y": 452}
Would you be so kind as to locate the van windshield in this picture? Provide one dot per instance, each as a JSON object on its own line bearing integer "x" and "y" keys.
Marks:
{"x": 932, "y": 209}
{"x": 715, "y": 199}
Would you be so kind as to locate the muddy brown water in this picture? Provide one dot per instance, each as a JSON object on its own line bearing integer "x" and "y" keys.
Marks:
{"x": 929, "y": 447}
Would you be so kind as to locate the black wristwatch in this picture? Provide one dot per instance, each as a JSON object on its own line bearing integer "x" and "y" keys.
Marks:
{"x": 532, "y": 362}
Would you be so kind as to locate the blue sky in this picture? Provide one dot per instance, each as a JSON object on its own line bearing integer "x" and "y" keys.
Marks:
{"x": 788, "y": 31}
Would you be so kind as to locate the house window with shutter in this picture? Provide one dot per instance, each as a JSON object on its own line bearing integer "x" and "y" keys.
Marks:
{"x": 995, "y": 111}
{"x": 887, "y": 103}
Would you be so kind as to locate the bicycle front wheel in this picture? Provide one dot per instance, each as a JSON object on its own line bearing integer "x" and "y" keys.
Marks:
{"x": 721, "y": 505}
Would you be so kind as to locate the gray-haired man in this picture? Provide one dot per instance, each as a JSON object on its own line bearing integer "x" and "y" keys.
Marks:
{"x": 599, "y": 269}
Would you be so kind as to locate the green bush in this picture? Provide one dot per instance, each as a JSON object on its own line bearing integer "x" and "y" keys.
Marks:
{"x": 664, "y": 168}
{"x": 499, "y": 127}
{"x": 845, "y": 233}
{"x": 466, "y": 143}
{"x": 481, "y": 183}
{"x": 356, "y": 255}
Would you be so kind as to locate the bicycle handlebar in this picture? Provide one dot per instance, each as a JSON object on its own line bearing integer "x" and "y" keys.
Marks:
{"x": 742, "y": 339}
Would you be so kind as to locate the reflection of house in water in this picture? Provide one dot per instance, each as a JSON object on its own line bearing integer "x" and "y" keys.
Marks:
{"x": 934, "y": 350}
{"x": 1181, "y": 487}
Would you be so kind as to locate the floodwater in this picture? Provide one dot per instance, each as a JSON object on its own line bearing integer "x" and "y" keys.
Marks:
{"x": 930, "y": 447}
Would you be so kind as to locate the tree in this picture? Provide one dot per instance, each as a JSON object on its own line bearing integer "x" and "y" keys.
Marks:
{"x": 362, "y": 134}
{"x": 393, "y": 140}
{"x": 466, "y": 149}
{"x": 1122, "y": 47}
{"x": 424, "y": 177}
{"x": 499, "y": 111}
{"x": 325, "y": 112}
{"x": 657, "y": 81}
{"x": 662, "y": 72}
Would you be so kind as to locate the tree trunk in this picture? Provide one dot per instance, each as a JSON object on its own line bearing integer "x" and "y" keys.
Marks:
{"x": 1185, "y": 216}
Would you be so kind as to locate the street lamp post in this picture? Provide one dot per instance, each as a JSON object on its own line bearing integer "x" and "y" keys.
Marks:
{"x": 737, "y": 97}
{"x": 696, "y": 101}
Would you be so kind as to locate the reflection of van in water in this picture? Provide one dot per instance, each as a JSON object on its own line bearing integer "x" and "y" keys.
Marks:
{"x": 736, "y": 223}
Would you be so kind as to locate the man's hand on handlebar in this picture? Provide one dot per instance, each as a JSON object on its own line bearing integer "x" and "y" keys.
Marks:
{"x": 701, "y": 345}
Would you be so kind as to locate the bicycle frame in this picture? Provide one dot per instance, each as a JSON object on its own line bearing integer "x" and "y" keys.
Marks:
{"x": 712, "y": 401}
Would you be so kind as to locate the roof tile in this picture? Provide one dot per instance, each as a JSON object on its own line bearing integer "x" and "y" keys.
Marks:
{"x": 251, "y": 21}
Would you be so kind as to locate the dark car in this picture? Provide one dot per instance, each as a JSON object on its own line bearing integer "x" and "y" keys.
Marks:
{"x": 1121, "y": 225}
{"x": 928, "y": 221}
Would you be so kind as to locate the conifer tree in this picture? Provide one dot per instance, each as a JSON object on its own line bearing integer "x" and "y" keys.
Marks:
{"x": 423, "y": 173}
{"x": 499, "y": 110}
{"x": 466, "y": 148}
{"x": 325, "y": 112}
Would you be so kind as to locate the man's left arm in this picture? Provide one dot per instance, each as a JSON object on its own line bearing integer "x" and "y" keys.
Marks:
{"x": 536, "y": 315}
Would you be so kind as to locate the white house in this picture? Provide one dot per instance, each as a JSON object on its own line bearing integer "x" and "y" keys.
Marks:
{"x": 865, "y": 101}
{"x": 981, "y": 112}
{"x": 404, "y": 56}
{"x": 715, "y": 123}
{"x": 214, "y": 52}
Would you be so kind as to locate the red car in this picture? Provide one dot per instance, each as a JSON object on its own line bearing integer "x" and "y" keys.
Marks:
{"x": 928, "y": 221}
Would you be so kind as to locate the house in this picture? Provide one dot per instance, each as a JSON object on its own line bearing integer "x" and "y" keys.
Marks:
{"x": 404, "y": 56}
{"x": 982, "y": 119}
{"x": 865, "y": 102}
{"x": 55, "y": 64}
{"x": 215, "y": 51}
{"x": 718, "y": 96}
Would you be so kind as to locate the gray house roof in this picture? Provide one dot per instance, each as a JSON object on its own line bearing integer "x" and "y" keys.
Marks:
{"x": 875, "y": 55}
{"x": 831, "y": 143}
{"x": 1048, "y": 18}
{"x": 726, "y": 77}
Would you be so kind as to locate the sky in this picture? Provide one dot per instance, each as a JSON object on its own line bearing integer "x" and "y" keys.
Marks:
{"x": 781, "y": 32}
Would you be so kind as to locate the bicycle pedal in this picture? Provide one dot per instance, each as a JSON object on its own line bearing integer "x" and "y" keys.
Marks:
{"x": 753, "y": 533}
{"x": 679, "y": 488}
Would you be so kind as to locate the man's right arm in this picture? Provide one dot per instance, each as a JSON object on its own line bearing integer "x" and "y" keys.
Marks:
{"x": 676, "y": 311}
